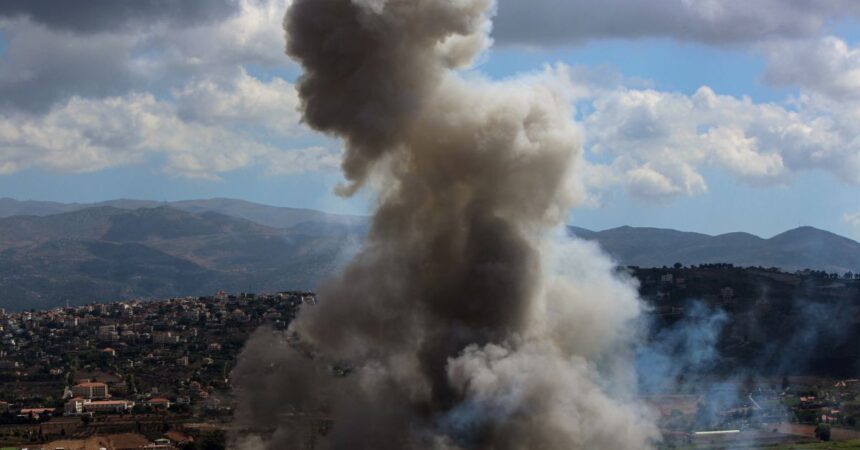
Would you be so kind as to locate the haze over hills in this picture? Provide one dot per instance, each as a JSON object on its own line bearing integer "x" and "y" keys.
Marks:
{"x": 54, "y": 252}
{"x": 106, "y": 253}
{"x": 797, "y": 249}
{"x": 273, "y": 216}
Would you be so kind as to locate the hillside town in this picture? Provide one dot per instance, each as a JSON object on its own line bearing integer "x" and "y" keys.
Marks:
{"x": 156, "y": 374}
{"x": 719, "y": 331}
{"x": 156, "y": 371}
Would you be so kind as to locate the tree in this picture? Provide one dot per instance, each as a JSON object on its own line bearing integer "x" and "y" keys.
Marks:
{"x": 822, "y": 432}
{"x": 213, "y": 441}
{"x": 678, "y": 265}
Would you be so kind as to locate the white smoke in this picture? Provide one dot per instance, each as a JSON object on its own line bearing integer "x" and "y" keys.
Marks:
{"x": 466, "y": 323}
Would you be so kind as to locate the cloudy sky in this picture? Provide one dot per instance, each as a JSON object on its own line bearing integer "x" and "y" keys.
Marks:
{"x": 701, "y": 115}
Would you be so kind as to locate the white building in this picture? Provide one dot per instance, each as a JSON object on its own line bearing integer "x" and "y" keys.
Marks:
{"x": 90, "y": 390}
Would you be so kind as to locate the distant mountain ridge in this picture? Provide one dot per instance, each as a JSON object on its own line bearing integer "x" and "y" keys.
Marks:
{"x": 54, "y": 252}
{"x": 272, "y": 216}
{"x": 797, "y": 249}
{"x": 107, "y": 253}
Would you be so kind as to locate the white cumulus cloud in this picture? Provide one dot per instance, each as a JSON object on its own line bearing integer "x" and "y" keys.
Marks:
{"x": 825, "y": 66}
{"x": 89, "y": 91}
{"x": 243, "y": 99}
{"x": 658, "y": 144}
{"x": 43, "y": 64}
{"x": 87, "y": 134}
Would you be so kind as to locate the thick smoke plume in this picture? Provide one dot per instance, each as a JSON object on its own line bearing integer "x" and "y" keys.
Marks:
{"x": 462, "y": 324}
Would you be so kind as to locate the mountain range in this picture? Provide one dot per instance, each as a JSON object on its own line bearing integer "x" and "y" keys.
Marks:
{"x": 53, "y": 253}
{"x": 272, "y": 216}
{"x": 104, "y": 253}
{"x": 797, "y": 249}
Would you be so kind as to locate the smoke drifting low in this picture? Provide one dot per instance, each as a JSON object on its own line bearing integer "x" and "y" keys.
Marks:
{"x": 463, "y": 323}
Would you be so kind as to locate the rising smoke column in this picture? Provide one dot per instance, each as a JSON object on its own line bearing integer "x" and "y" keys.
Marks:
{"x": 461, "y": 327}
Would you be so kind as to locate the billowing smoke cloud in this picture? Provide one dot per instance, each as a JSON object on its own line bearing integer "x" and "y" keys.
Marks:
{"x": 462, "y": 324}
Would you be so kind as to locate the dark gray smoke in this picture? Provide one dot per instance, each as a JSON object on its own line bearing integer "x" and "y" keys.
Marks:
{"x": 454, "y": 328}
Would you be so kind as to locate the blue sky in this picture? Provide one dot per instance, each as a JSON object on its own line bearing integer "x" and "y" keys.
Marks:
{"x": 766, "y": 190}
{"x": 813, "y": 199}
